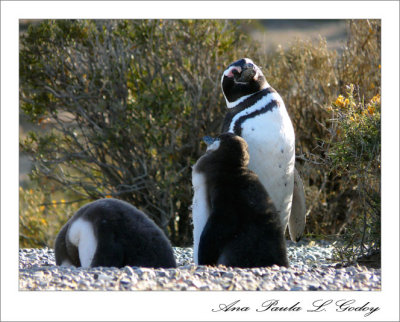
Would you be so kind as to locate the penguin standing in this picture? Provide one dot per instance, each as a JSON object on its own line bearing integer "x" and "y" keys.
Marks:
{"x": 258, "y": 114}
{"x": 112, "y": 233}
{"x": 243, "y": 228}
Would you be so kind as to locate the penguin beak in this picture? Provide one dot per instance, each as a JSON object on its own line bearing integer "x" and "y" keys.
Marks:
{"x": 248, "y": 72}
{"x": 208, "y": 140}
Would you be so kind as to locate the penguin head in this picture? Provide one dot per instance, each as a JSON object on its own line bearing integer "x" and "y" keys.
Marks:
{"x": 228, "y": 148}
{"x": 242, "y": 78}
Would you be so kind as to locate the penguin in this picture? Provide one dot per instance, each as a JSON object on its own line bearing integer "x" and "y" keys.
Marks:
{"x": 258, "y": 114}
{"x": 243, "y": 228}
{"x": 112, "y": 233}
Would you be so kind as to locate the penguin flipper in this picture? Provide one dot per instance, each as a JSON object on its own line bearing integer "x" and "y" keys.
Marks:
{"x": 214, "y": 237}
{"x": 297, "y": 219}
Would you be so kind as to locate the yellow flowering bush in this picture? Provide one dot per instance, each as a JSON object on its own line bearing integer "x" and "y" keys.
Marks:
{"x": 41, "y": 218}
{"x": 355, "y": 156}
{"x": 357, "y": 125}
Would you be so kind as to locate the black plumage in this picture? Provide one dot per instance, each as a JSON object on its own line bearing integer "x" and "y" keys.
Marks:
{"x": 124, "y": 235}
{"x": 243, "y": 228}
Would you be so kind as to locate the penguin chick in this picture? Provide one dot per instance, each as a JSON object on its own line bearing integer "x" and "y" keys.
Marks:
{"x": 113, "y": 233}
{"x": 243, "y": 228}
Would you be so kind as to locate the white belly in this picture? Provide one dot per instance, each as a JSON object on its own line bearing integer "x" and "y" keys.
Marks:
{"x": 200, "y": 210}
{"x": 82, "y": 236}
{"x": 271, "y": 141}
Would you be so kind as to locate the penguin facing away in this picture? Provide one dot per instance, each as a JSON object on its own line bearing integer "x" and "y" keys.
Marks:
{"x": 112, "y": 233}
{"x": 258, "y": 114}
{"x": 242, "y": 228}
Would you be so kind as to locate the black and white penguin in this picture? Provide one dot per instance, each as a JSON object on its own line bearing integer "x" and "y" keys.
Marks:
{"x": 112, "y": 233}
{"x": 258, "y": 114}
{"x": 243, "y": 228}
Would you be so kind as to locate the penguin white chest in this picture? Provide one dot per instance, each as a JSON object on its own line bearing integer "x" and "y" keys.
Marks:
{"x": 271, "y": 141}
{"x": 200, "y": 210}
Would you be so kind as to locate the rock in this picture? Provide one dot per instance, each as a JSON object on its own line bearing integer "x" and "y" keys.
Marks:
{"x": 38, "y": 272}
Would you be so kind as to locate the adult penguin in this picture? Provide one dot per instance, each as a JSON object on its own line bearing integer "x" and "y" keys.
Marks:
{"x": 258, "y": 114}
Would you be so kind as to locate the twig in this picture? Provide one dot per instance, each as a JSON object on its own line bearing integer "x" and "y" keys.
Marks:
{"x": 317, "y": 196}
{"x": 62, "y": 203}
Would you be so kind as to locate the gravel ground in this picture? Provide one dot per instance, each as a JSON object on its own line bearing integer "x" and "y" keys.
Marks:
{"x": 310, "y": 270}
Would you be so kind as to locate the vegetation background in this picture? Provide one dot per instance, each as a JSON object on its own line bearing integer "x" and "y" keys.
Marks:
{"x": 115, "y": 108}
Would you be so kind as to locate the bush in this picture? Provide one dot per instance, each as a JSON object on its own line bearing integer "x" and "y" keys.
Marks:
{"x": 41, "y": 217}
{"x": 355, "y": 155}
{"x": 125, "y": 104}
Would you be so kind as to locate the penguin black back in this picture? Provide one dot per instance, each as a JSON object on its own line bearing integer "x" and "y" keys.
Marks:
{"x": 243, "y": 228}
{"x": 111, "y": 232}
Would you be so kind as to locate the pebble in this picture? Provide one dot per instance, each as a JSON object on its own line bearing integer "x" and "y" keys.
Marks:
{"x": 311, "y": 269}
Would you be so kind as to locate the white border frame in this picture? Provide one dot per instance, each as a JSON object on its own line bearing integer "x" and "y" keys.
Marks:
{"x": 179, "y": 306}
